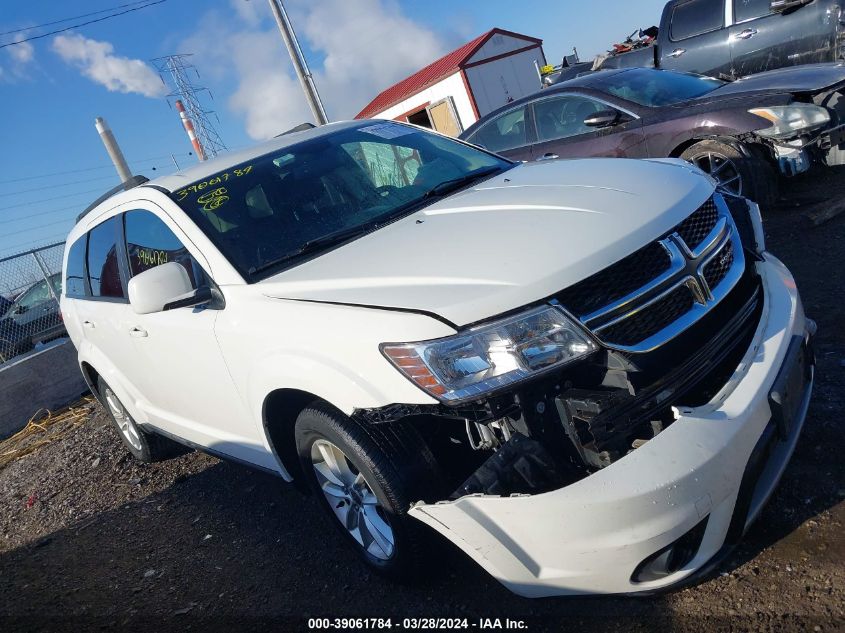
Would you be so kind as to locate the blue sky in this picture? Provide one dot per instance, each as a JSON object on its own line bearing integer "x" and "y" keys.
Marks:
{"x": 52, "y": 163}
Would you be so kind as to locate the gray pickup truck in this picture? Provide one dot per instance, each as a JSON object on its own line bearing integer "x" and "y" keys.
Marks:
{"x": 734, "y": 38}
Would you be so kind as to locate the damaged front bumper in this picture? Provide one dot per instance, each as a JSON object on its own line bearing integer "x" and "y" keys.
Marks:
{"x": 798, "y": 156}
{"x": 656, "y": 516}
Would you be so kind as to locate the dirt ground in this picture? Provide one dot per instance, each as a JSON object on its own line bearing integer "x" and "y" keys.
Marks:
{"x": 91, "y": 540}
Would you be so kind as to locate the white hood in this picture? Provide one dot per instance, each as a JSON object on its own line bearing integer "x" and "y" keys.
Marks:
{"x": 516, "y": 238}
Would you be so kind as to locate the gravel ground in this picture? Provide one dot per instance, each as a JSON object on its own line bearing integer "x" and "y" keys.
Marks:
{"x": 90, "y": 539}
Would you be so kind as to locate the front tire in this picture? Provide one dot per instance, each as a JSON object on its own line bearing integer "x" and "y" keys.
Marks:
{"x": 366, "y": 477}
{"x": 742, "y": 173}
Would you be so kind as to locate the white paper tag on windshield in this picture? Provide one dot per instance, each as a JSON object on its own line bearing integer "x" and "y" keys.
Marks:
{"x": 386, "y": 130}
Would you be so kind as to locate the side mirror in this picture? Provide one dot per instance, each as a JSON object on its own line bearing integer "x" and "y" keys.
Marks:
{"x": 602, "y": 118}
{"x": 165, "y": 287}
{"x": 20, "y": 309}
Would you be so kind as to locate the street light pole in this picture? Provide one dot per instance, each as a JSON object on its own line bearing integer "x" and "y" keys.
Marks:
{"x": 299, "y": 63}
{"x": 113, "y": 149}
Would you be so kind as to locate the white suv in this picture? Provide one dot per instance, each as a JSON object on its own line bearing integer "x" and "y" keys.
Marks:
{"x": 589, "y": 375}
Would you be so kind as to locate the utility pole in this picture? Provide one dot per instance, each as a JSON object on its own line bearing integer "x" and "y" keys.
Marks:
{"x": 299, "y": 63}
{"x": 113, "y": 149}
{"x": 201, "y": 131}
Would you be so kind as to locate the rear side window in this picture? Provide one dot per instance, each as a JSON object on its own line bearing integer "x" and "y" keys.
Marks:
{"x": 150, "y": 243}
{"x": 750, "y": 9}
{"x": 75, "y": 269}
{"x": 103, "y": 266}
{"x": 503, "y": 133}
{"x": 696, "y": 17}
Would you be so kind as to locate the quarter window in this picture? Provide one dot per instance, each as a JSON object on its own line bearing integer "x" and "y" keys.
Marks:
{"x": 696, "y": 17}
{"x": 503, "y": 133}
{"x": 151, "y": 243}
{"x": 75, "y": 269}
{"x": 563, "y": 117}
{"x": 750, "y": 9}
{"x": 103, "y": 267}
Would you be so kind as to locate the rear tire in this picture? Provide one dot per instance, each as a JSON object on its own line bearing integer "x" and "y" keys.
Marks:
{"x": 145, "y": 447}
{"x": 380, "y": 470}
{"x": 743, "y": 173}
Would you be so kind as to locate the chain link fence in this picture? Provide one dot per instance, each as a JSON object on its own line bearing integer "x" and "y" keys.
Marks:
{"x": 30, "y": 286}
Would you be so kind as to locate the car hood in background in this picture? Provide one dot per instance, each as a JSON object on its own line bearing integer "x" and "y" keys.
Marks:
{"x": 516, "y": 238}
{"x": 808, "y": 78}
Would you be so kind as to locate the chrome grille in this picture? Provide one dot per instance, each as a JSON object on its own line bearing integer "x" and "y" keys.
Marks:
{"x": 696, "y": 227}
{"x": 651, "y": 319}
{"x": 718, "y": 267}
{"x": 617, "y": 280}
{"x": 645, "y": 300}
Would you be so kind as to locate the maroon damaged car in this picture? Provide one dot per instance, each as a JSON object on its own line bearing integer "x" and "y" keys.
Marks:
{"x": 745, "y": 133}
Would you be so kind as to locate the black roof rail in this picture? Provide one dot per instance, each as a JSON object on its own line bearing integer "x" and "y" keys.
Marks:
{"x": 299, "y": 128}
{"x": 124, "y": 186}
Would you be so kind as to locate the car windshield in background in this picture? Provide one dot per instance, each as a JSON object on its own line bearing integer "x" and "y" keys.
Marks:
{"x": 275, "y": 210}
{"x": 655, "y": 88}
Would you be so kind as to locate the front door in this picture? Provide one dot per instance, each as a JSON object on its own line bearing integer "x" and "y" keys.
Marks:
{"x": 186, "y": 385}
{"x": 758, "y": 43}
{"x": 562, "y": 133}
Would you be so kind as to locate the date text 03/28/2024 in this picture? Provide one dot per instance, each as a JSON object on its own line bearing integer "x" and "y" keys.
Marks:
{"x": 315, "y": 624}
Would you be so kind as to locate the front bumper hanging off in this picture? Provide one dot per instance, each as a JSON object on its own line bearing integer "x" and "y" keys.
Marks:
{"x": 686, "y": 495}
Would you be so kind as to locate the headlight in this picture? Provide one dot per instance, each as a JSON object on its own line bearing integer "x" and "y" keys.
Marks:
{"x": 491, "y": 356}
{"x": 791, "y": 120}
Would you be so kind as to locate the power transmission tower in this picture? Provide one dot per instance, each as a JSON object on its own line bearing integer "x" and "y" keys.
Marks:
{"x": 175, "y": 68}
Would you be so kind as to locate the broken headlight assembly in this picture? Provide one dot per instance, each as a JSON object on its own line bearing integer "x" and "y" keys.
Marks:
{"x": 791, "y": 120}
{"x": 491, "y": 356}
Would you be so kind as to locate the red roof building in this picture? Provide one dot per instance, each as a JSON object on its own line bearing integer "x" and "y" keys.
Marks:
{"x": 453, "y": 92}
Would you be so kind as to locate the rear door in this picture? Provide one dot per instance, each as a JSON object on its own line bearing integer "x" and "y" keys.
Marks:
{"x": 186, "y": 386}
{"x": 99, "y": 309}
{"x": 508, "y": 133}
{"x": 698, "y": 40}
{"x": 561, "y": 132}
{"x": 764, "y": 40}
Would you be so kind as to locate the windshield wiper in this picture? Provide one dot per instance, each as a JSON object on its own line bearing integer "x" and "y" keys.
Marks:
{"x": 456, "y": 183}
{"x": 318, "y": 243}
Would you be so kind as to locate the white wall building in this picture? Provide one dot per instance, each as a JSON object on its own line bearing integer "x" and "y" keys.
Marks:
{"x": 453, "y": 92}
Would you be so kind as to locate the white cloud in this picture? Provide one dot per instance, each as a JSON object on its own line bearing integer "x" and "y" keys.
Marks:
{"x": 97, "y": 62}
{"x": 250, "y": 11}
{"x": 22, "y": 53}
{"x": 361, "y": 48}
{"x": 20, "y": 58}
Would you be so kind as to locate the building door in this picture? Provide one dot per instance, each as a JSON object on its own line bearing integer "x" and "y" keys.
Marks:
{"x": 444, "y": 118}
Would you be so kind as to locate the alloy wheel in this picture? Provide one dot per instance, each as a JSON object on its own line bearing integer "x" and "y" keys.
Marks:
{"x": 722, "y": 168}
{"x": 352, "y": 499}
{"x": 124, "y": 422}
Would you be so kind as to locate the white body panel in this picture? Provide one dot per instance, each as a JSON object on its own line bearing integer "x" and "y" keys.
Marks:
{"x": 590, "y": 536}
{"x": 470, "y": 259}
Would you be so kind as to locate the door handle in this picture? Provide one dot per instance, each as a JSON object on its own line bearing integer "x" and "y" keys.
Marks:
{"x": 746, "y": 34}
{"x": 138, "y": 332}
{"x": 677, "y": 52}
{"x": 548, "y": 156}
{"x": 89, "y": 324}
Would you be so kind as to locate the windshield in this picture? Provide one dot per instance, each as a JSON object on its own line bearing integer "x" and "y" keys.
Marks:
{"x": 275, "y": 210}
{"x": 655, "y": 88}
